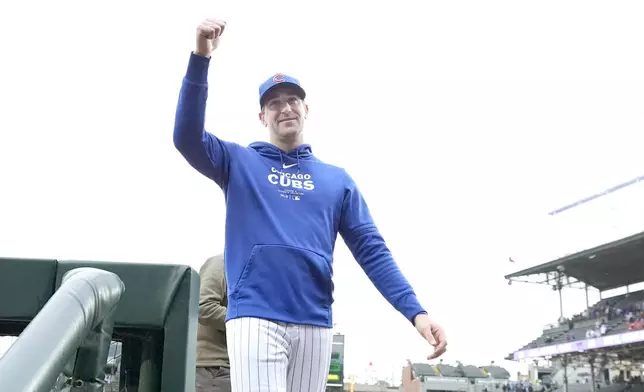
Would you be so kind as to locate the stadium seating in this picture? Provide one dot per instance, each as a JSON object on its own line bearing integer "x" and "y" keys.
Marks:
{"x": 580, "y": 325}
{"x": 425, "y": 369}
{"x": 450, "y": 371}
{"x": 472, "y": 371}
{"x": 496, "y": 371}
{"x": 466, "y": 371}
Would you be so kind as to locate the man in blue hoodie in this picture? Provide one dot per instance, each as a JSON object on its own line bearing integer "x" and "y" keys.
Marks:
{"x": 284, "y": 210}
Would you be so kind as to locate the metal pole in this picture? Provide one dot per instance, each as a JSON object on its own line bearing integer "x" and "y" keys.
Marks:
{"x": 89, "y": 368}
{"x": 559, "y": 288}
{"x": 85, "y": 297}
{"x": 587, "y": 302}
{"x": 592, "y": 373}
{"x": 565, "y": 364}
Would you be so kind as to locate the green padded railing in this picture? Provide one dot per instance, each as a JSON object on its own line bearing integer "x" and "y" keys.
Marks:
{"x": 156, "y": 317}
{"x": 76, "y": 319}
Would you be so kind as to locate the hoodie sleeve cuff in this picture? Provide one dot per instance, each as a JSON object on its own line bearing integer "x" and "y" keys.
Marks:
{"x": 410, "y": 307}
{"x": 198, "y": 69}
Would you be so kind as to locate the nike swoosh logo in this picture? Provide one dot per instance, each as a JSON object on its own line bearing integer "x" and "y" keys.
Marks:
{"x": 285, "y": 166}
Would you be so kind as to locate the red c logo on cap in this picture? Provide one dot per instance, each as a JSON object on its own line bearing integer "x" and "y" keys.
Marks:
{"x": 278, "y": 78}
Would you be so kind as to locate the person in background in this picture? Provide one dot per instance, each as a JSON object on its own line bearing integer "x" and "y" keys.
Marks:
{"x": 213, "y": 365}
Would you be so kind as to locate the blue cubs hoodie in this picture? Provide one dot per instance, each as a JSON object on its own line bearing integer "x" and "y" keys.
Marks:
{"x": 284, "y": 210}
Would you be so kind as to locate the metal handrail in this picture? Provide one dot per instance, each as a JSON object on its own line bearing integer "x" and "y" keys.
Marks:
{"x": 34, "y": 362}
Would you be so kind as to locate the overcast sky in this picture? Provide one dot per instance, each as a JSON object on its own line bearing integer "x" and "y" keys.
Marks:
{"x": 463, "y": 123}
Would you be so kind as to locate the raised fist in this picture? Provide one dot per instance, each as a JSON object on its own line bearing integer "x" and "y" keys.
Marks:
{"x": 208, "y": 34}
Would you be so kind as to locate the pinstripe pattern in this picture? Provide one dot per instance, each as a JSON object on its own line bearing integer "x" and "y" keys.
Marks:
{"x": 267, "y": 356}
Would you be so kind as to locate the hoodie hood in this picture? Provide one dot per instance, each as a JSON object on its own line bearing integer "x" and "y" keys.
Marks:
{"x": 301, "y": 153}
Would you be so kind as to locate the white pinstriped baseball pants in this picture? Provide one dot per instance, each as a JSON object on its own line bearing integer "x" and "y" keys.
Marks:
{"x": 268, "y": 356}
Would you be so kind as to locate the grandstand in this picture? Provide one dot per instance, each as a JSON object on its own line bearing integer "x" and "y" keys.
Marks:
{"x": 443, "y": 378}
{"x": 469, "y": 378}
{"x": 603, "y": 345}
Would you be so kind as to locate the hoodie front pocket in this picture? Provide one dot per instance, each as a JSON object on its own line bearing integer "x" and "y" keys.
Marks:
{"x": 291, "y": 282}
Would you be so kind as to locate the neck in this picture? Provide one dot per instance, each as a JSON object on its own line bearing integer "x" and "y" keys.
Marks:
{"x": 287, "y": 144}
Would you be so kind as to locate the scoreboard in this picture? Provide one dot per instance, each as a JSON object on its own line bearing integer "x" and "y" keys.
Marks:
{"x": 335, "y": 378}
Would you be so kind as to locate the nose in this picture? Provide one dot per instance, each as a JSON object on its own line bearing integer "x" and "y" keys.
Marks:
{"x": 286, "y": 108}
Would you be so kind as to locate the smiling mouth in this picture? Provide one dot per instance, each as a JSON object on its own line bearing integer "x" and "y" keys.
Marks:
{"x": 286, "y": 119}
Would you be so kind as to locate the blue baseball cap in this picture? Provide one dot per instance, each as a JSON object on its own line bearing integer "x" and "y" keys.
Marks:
{"x": 277, "y": 80}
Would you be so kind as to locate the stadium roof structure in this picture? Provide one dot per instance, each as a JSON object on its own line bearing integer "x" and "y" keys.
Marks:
{"x": 633, "y": 352}
{"x": 616, "y": 264}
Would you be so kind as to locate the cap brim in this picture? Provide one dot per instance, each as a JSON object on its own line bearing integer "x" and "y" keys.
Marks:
{"x": 299, "y": 90}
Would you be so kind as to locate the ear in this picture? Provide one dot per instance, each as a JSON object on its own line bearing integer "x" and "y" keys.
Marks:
{"x": 261, "y": 118}
{"x": 306, "y": 110}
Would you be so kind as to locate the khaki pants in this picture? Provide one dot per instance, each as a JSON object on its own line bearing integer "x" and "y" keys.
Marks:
{"x": 213, "y": 379}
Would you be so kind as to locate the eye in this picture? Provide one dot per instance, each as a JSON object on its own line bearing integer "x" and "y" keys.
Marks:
{"x": 293, "y": 101}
